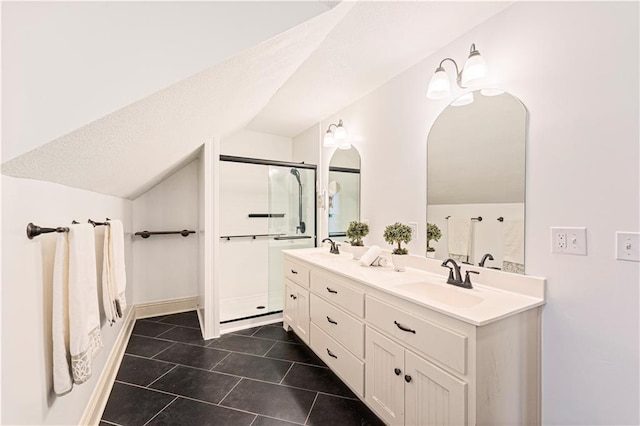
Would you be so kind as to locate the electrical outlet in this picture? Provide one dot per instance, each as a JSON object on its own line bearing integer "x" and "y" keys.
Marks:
{"x": 628, "y": 246}
{"x": 569, "y": 241}
{"x": 414, "y": 229}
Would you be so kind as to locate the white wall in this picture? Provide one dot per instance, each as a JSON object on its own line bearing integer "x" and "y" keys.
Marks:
{"x": 166, "y": 266}
{"x": 66, "y": 64}
{"x": 27, "y": 267}
{"x": 582, "y": 170}
{"x": 247, "y": 143}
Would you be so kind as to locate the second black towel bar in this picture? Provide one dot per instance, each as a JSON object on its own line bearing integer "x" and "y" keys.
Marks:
{"x": 147, "y": 234}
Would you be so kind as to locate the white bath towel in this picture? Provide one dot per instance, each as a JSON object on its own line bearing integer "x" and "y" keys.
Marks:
{"x": 513, "y": 241}
{"x": 114, "y": 277}
{"x": 370, "y": 256}
{"x": 62, "y": 381}
{"x": 459, "y": 238}
{"x": 85, "y": 339}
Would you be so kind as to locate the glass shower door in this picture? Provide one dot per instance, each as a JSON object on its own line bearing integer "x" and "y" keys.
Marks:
{"x": 292, "y": 220}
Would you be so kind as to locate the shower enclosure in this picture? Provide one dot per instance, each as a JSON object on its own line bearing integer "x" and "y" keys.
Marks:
{"x": 265, "y": 207}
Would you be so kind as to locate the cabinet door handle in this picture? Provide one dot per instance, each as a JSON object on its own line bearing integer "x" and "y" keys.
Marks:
{"x": 331, "y": 321}
{"x": 294, "y": 297}
{"x": 407, "y": 378}
{"x": 397, "y": 371}
{"x": 330, "y": 290}
{"x": 331, "y": 354}
{"x": 293, "y": 271}
{"x": 403, "y": 328}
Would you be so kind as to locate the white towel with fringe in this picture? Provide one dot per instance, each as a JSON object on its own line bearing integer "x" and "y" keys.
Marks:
{"x": 459, "y": 238}
{"x": 85, "y": 339}
{"x": 114, "y": 277}
{"x": 62, "y": 380}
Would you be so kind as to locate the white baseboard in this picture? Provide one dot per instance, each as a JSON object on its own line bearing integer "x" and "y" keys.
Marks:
{"x": 98, "y": 401}
{"x": 166, "y": 307}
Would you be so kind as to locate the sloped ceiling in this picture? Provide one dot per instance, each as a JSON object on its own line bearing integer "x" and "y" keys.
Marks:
{"x": 280, "y": 86}
{"x": 372, "y": 44}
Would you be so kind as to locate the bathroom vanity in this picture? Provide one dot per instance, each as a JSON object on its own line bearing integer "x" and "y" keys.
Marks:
{"x": 416, "y": 350}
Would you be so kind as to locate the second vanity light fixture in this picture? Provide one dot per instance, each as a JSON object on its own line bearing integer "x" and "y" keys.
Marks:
{"x": 474, "y": 70}
{"x": 337, "y": 137}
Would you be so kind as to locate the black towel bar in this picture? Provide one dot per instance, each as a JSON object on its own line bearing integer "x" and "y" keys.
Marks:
{"x": 147, "y": 234}
{"x": 35, "y": 230}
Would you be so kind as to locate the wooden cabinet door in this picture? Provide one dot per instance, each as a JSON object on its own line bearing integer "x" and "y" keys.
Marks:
{"x": 432, "y": 396}
{"x": 384, "y": 390}
{"x": 302, "y": 314}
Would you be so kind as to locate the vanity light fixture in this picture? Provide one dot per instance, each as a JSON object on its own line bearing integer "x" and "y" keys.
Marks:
{"x": 474, "y": 70}
{"x": 337, "y": 137}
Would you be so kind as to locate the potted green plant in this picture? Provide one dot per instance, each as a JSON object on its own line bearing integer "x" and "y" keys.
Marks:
{"x": 356, "y": 231}
{"x": 397, "y": 234}
{"x": 433, "y": 234}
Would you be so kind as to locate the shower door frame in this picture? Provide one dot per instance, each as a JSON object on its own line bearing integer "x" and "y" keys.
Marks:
{"x": 265, "y": 162}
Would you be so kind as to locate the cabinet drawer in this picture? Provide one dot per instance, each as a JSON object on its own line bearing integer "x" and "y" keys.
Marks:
{"x": 296, "y": 273}
{"x": 444, "y": 345}
{"x": 340, "y": 360}
{"x": 338, "y": 293}
{"x": 347, "y": 330}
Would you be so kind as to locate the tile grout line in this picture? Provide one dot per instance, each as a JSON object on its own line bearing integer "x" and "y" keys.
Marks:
{"x": 218, "y": 363}
{"x": 272, "y": 346}
{"x": 110, "y": 423}
{"x": 224, "y": 397}
{"x": 156, "y": 415}
{"x": 285, "y": 374}
{"x": 162, "y": 375}
{"x": 166, "y": 331}
{"x": 170, "y": 346}
{"x": 311, "y": 409}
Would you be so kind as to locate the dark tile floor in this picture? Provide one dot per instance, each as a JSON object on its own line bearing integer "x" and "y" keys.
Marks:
{"x": 261, "y": 376}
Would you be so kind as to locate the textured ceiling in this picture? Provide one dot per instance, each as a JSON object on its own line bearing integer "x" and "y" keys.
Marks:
{"x": 130, "y": 150}
{"x": 280, "y": 86}
{"x": 372, "y": 44}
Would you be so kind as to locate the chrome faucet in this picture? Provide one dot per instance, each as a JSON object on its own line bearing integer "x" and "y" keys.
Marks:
{"x": 334, "y": 246}
{"x": 484, "y": 259}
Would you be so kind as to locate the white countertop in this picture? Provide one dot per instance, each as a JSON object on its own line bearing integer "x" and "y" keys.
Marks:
{"x": 479, "y": 306}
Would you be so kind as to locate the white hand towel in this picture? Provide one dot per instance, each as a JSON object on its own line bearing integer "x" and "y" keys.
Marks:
{"x": 114, "y": 277}
{"x": 513, "y": 240}
{"x": 459, "y": 237}
{"x": 370, "y": 256}
{"x": 85, "y": 339}
{"x": 62, "y": 382}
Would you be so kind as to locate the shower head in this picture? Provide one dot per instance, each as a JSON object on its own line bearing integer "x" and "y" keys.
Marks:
{"x": 296, "y": 173}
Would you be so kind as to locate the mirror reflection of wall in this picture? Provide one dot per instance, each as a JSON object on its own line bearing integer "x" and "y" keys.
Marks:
{"x": 343, "y": 191}
{"x": 476, "y": 168}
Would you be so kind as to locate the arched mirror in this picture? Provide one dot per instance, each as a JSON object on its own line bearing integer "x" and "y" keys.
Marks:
{"x": 476, "y": 181}
{"x": 343, "y": 190}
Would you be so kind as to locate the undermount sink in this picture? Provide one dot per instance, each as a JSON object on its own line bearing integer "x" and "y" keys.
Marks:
{"x": 323, "y": 255}
{"x": 442, "y": 294}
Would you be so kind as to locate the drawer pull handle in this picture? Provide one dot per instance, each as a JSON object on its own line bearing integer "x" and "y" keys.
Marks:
{"x": 407, "y": 378}
{"x": 332, "y": 321}
{"x": 403, "y": 328}
{"x": 330, "y": 290}
{"x": 293, "y": 271}
{"x": 397, "y": 371}
{"x": 331, "y": 354}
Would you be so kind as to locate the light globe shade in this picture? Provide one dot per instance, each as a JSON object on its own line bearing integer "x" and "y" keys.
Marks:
{"x": 340, "y": 134}
{"x": 465, "y": 99}
{"x": 328, "y": 141}
{"x": 475, "y": 69}
{"x": 439, "y": 86}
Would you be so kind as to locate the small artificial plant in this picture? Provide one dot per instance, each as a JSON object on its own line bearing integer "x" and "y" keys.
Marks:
{"x": 356, "y": 232}
{"x": 398, "y": 233}
{"x": 433, "y": 233}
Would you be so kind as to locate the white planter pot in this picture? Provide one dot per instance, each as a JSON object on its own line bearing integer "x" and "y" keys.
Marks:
{"x": 399, "y": 262}
{"x": 431, "y": 254}
{"x": 358, "y": 251}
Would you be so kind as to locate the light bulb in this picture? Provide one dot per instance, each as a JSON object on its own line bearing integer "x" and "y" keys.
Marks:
{"x": 439, "y": 86}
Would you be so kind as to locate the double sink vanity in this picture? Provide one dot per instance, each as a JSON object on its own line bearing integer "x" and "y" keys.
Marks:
{"x": 416, "y": 350}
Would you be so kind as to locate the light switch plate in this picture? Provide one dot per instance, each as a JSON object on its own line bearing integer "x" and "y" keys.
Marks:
{"x": 569, "y": 241}
{"x": 628, "y": 246}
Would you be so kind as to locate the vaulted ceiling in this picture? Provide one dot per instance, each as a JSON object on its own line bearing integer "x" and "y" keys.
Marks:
{"x": 282, "y": 85}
